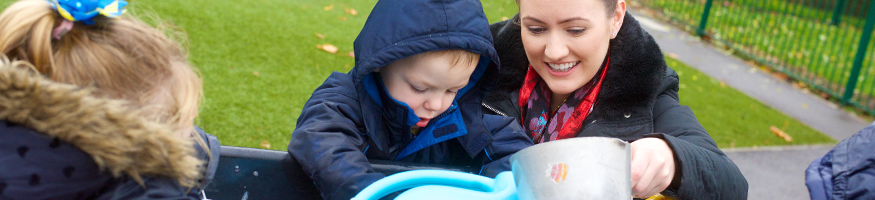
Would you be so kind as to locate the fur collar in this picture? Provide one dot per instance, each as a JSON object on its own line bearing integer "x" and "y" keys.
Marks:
{"x": 634, "y": 77}
{"x": 113, "y": 134}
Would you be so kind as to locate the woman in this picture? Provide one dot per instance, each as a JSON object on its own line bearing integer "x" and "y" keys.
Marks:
{"x": 99, "y": 105}
{"x": 580, "y": 68}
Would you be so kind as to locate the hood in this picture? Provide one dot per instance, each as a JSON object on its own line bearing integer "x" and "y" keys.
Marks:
{"x": 398, "y": 29}
{"x": 116, "y": 137}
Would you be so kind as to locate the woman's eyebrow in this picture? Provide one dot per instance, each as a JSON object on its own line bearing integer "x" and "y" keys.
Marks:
{"x": 533, "y": 19}
{"x": 573, "y": 19}
{"x": 561, "y": 22}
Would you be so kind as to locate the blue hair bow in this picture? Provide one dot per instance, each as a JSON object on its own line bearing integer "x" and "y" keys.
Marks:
{"x": 86, "y": 10}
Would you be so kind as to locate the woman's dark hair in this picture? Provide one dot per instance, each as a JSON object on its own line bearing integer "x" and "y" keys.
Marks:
{"x": 610, "y": 6}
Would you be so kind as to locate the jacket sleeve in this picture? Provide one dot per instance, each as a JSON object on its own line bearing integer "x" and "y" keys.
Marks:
{"x": 329, "y": 146}
{"x": 507, "y": 139}
{"x": 703, "y": 171}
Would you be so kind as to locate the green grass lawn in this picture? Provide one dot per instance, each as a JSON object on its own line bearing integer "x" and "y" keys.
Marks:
{"x": 791, "y": 37}
{"x": 229, "y": 41}
{"x": 732, "y": 118}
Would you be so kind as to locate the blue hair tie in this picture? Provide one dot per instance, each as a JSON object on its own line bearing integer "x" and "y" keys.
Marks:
{"x": 85, "y": 10}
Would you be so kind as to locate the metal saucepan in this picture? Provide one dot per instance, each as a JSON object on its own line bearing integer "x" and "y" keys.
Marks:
{"x": 575, "y": 168}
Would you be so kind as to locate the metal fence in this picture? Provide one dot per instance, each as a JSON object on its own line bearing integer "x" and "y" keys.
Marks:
{"x": 824, "y": 43}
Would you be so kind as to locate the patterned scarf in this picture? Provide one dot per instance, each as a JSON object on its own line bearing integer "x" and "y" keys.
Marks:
{"x": 564, "y": 122}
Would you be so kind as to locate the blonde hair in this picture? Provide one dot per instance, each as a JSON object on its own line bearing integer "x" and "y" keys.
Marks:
{"x": 123, "y": 57}
{"x": 458, "y": 57}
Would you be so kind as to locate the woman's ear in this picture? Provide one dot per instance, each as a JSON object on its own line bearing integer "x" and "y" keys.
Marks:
{"x": 618, "y": 15}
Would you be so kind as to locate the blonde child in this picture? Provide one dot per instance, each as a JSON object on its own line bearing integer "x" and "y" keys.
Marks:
{"x": 99, "y": 105}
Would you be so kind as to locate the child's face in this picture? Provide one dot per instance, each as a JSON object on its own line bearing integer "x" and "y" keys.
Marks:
{"x": 428, "y": 84}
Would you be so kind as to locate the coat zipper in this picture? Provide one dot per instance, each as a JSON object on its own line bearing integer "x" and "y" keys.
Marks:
{"x": 493, "y": 109}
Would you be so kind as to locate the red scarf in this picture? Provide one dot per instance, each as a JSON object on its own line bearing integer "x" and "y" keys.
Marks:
{"x": 568, "y": 117}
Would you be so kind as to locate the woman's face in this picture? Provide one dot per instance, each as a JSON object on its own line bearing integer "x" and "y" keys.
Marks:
{"x": 566, "y": 40}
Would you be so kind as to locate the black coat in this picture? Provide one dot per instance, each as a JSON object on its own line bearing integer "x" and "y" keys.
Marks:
{"x": 639, "y": 98}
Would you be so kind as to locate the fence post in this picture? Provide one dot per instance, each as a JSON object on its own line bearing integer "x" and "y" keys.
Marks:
{"x": 861, "y": 54}
{"x": 701, "y": 30}
{"x": 837, "y": 12}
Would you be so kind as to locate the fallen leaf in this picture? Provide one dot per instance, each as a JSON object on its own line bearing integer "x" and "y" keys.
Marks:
{"x": 695, "y": 77}
{"x": 249, "y": 139}
{"x": 320, "y": 36}
{"x": 327, "y": 47}
{"x": 346, "y": 66}
{"x": 351, "y": 54}
{"x": 673, "y": 55}
{"x": 805, "y": 105}
{"x": 329, "y": 7}
{"x": 780, "y": 133}
{"x": 342, "y": 18}
{"x": 255, "y": 73}
{"x": 503, "y": 18}
{"x": 722, "y": 84}
{"x": 824, "y": 95}
{"x": 350, "y": 11}
{"x": 265, "y": 144}
{"x": 779, "y": 76}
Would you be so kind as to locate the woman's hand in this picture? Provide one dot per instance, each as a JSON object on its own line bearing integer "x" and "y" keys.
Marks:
{"x": 653, "y": 167}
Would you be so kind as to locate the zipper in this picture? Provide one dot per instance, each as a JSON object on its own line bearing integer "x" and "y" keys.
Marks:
{"x": 493, "y": 109}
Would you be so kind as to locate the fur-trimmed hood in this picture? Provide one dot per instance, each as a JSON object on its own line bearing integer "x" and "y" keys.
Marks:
{"x": 633, "y": 79}
{"x": 111, "y": 132}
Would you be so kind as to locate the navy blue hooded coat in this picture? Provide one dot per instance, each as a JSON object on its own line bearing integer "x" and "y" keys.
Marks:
{"x": 351, "y": 118}
{"x": 847, "y": 171}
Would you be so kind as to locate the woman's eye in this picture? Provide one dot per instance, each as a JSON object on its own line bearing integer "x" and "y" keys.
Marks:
{"x": 536, "y": 30}
{"x": 576, "y": 31}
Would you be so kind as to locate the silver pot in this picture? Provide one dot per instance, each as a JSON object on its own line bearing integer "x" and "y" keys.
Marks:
{"x": 575, "y": 168}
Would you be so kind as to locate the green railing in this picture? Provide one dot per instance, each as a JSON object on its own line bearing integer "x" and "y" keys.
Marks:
{"x": 824, "y": 43}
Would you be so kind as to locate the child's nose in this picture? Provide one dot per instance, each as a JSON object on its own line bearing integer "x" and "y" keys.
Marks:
{"x": 433, "y": 104}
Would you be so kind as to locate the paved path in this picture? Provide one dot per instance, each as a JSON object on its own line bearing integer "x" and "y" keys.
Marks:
{"x": 774, "y": 172}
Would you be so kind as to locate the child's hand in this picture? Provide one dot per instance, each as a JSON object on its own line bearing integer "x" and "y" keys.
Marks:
{"x": 653, "y": 167}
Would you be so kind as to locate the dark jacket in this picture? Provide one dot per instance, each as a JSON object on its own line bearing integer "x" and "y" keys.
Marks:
{"x": 351, "y": 118}
{"x": 639, "y": 98}
{"x": 847, "y": 171}
{"x": 57, "y": 141}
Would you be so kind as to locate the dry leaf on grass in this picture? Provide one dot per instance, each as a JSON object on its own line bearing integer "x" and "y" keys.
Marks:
{"x": 327, "y": 47}
{"x": 329, "y": 7}
{"x": 265, "y": 144}
{"x": 346, "y": 66}
{"x": 351, "y": 54}
{"x": 350, "y": 11}
{"x": 778, "y": 132}
{"x": 503, "y": 18}
{"x": 320, "y": 36}
{"x": 673, "y": 55}
{"x": 342, "y": 18}
{"x": 255, "y": 73}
